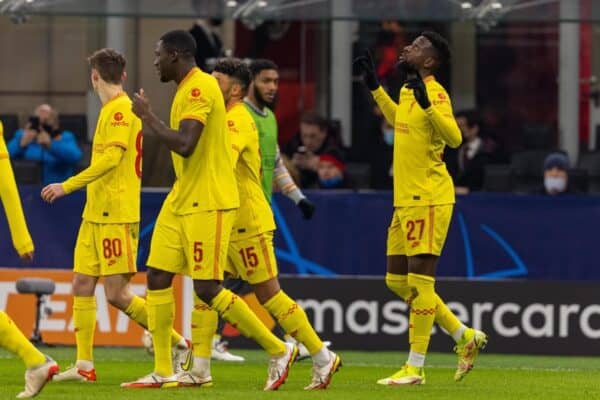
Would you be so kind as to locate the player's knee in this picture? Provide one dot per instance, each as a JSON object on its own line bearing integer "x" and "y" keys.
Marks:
{"x": 206, "y": 290}
{"x": 117, "y": 297}
{"x": 158, "y": 279}
{"x": 83, "y": 285}
{"x": 398, "y": 284}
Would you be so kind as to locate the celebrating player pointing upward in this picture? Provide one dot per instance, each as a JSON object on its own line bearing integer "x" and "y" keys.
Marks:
{"x": 423, "y": 201}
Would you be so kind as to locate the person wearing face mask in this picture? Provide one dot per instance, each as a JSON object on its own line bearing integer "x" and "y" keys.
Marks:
{"x": 556, "y": 176}
{"x": 330, "y": 170}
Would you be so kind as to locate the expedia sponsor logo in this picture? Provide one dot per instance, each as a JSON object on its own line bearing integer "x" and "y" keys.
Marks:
{"x": 118, "y": 120}
{"x": 231, "y": 126}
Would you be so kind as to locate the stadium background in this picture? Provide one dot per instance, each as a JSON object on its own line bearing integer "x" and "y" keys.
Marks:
{"x": 521, "y": 267}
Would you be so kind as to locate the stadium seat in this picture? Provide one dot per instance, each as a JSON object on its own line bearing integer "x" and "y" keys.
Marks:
{"x": 11, "y": 125}
{"x": 528, "y": 169}
{"x": 591, "y": 163}
{"x": 497, "y": 178}
{"x": 40, "y": 287}
{"x": 579, "y": 180}
{"x": 76, "y": 123}
{"x": 27, "y": 172}
{"x": 359, "y": 175}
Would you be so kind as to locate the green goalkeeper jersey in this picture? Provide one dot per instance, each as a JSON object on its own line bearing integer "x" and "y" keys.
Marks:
{"x": 267, "y": 132}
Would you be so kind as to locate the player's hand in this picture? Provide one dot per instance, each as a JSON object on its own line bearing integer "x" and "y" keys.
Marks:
{"x": 44, "y": 139}
{"x": 419, "y": 90}
{"x": 27, "y": 257}
{"x": 141, "y": 104}
{"x": 306, "y": 207}
{"x": 366, "y": 67}
{"x": 53, "y": 192}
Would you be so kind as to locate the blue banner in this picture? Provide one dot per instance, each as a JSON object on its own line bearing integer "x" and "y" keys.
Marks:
{"x": 491, "y": 235}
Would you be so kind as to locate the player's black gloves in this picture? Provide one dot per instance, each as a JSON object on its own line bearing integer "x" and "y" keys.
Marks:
{"x": 365, "y": 65}
{"x": 416, "y": 83}
{"x": 306, "y": 207}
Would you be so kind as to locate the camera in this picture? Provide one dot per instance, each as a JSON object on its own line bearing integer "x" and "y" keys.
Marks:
{"x": 34, "y": 123}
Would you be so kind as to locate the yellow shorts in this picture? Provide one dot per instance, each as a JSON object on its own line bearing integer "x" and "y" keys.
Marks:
{"x": 419, "y": 230}
{"x": 253, "y": 259}
{"x": 106, "y": 249}
{"x": 193, "y": 244}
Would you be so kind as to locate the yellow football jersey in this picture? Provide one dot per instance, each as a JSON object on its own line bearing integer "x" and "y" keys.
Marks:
{"x": 115, "y": 197}
{"x": 420, "y": 174}
{"x": 205, "y": 179}
{"x": 254, "y": 215}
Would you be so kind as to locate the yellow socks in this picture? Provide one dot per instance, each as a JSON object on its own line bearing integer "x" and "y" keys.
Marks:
{"x": 161, "y": 313}
{"x": 294, "y": 321}
{"x": 204, "y": 326}
{"x": 13, "y": 340}
{"x": 398, "y": 284}
{"x": 84, "y": 321}
{"x": 235, "y": 310}
{"x": 422, "y": 312}
{"x": 444, "y": 317}
{"x": 137, "y": 311}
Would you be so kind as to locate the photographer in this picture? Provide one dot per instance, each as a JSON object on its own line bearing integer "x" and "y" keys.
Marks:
{"x": 42, "y": 140}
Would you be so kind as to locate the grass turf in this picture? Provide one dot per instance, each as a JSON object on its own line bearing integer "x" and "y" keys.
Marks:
{"x": 495, "y": 377}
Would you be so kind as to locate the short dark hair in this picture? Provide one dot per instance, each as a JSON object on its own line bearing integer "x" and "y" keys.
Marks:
{"x": 180, "y": 41}
{"x": 472, "y": 116}
{"x": 313, "y": 118}
{"x": 440, "y": 44}
{"x": 236, "y": 69}
{"x": 261, "y": 64}
{"x": 109, "y": 63}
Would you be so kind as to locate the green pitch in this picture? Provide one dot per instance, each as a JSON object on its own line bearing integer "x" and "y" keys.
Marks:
{"x": 494, "y": 377}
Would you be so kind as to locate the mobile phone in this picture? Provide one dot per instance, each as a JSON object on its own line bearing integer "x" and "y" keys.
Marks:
{"x": 34, "y": 123}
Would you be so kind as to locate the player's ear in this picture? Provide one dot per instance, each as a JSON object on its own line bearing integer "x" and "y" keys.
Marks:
{"x": 123, "y": 76}
{"x": 430, "y": 63}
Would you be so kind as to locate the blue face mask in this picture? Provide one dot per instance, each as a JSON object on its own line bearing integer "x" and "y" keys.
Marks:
{"x": 388, "y": 136}
{"x": 331, "y": 182}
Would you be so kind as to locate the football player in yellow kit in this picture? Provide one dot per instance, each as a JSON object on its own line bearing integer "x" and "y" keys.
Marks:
{"x": 40, "y": 367}
{"x": 423, "y": 201}
{"x": 191, "y": 235}
{"x": 108, "y": 238}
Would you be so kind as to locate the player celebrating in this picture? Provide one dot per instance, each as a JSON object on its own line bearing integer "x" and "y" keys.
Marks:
{"x": 423, "y": 201}
{"x": 40, "y": 367}
{"x": 251, "y": 254}
{"x": 108, "y": 238}
{"x": 192, "y": 231}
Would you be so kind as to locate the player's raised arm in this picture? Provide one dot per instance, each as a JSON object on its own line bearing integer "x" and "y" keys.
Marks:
{"x": 366, "y": 66}
{"x": 288, "y": 187}
{"x": 12, "y": 206}
{"x": 182, "y": 141}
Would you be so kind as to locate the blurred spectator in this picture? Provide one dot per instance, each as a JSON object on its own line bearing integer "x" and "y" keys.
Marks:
{"x": 556, "y": 176}
{"x": 305, "y": 148}
{"x": 382, "y": 157}
{"x": 42, "y": 140}
{"x": 467, "y": 164}
{"x": 208, "y": 42}
{"x": 330, "y": 170}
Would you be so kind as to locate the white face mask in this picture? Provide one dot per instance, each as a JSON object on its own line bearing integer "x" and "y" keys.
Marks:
{"x": 555, "y": 184}
{"x": 388, "y": 136}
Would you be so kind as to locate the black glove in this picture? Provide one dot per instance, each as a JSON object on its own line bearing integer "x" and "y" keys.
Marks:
{"x": 365, "y": 65}
{"x": 418, "y": 86}
{"x": 307, "y": 208}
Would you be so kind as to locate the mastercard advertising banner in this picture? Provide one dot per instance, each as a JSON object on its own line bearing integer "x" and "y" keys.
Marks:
{"x": 113, "y": 327}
